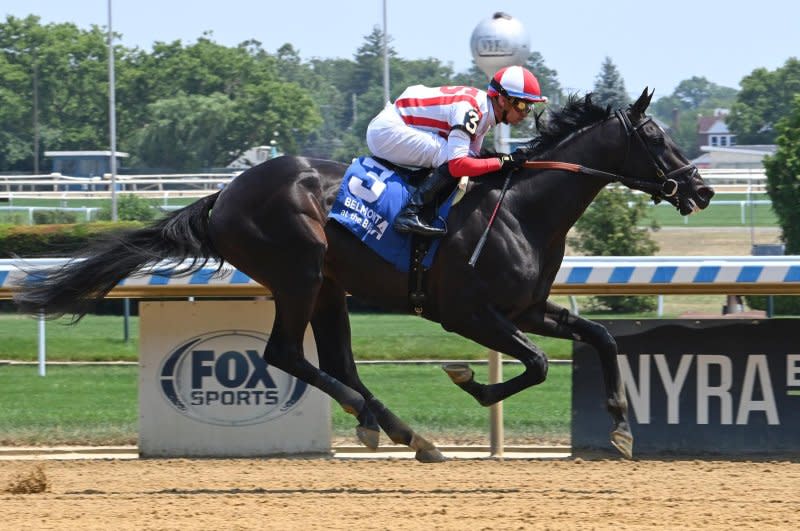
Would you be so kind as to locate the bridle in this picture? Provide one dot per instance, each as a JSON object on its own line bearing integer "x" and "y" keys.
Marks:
{"x": 665, "y": 188}
{"x": 668, "y": 184}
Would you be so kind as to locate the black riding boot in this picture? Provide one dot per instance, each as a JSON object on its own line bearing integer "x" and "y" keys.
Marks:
{"x": 408, "y": 219}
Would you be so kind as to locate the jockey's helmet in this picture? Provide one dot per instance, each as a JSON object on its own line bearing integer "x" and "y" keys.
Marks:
{"x": 516, "y": 82}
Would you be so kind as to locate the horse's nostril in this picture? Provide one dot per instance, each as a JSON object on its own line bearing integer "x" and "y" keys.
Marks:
{"x": 705, "y": 193}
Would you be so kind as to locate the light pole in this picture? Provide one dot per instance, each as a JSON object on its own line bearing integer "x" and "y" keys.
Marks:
{"x": 385, "y": 57}
{"x": 112, "y": 131}
{"x": 112, "y": 118}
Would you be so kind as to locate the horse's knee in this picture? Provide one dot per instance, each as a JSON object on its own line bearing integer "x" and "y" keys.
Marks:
{"x": 536, "y": 369}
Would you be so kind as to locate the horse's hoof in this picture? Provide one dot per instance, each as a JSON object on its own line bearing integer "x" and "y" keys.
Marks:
{"x": 458, "y": 372}
{"x": 426, "y": 450}
{"x": 368, "y": 437}
{"x": 430, "y": 456}
{"x": 623, "y": 441}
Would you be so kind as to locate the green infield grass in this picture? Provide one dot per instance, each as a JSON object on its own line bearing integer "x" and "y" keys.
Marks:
{"x": 393, "y": 337}
{"x": 375, "y": 337}
{"x": 98, "y": 405}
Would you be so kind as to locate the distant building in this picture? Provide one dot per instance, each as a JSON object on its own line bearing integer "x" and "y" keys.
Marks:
{"x": 732, "y": 157}
{"x": 254, "y": 156}
{"x": 83, "y": 163}
{"x": 713, "y": 131}
{"x": 720, "y": 149}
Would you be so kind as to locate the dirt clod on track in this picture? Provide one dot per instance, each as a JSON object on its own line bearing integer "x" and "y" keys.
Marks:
{"x": 403, "y": 494}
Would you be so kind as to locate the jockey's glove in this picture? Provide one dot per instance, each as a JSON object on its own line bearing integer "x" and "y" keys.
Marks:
{"x": 513, "y": 161}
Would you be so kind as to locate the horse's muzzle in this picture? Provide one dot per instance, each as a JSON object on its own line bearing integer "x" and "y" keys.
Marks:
{"x": 695, "y": 201}
{"x": 697, "y": 194}
{"x": 704, "y": 194}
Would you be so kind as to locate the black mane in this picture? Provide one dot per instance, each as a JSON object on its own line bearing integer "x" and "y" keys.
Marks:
{"x": 575, "y": 115}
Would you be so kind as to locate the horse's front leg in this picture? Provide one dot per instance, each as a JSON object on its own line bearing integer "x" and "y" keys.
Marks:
{"x": 559, "y": 322}
{"x": 491, "y": 329}
{"x": 331, "y": 326}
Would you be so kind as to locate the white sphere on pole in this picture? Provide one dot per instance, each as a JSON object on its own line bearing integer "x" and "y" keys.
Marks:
{"x": 498, "y": 42}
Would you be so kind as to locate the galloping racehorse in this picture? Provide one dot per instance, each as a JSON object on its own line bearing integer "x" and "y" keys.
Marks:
{"x": 271, "y": 223}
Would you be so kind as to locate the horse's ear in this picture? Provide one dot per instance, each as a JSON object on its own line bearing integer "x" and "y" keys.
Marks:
{"x": 642, "y": 103}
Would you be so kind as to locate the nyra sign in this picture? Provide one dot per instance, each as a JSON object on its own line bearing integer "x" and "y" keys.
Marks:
{"x": 722, "y": 390}
{"x": 205, "y": 390}
{"x": 698, "y": 387}
{"x": 221, "y": 378}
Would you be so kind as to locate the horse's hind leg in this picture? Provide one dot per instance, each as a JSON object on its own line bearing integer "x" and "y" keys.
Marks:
{"x": 492, "y": 330}
{"x": 332, "y": 333}
{"x": 295, "y": 280}
{"x": 284, "y": 350}
{"x": 559, "y": 322}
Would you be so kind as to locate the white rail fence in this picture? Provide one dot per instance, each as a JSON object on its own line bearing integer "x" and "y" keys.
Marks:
{"x": 636, "y": 275}
{"x": 169, "y": 187}
{"x": 55, "y": 185}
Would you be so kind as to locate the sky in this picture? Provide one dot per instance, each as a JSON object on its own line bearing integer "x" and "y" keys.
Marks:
{"x": 654, "y": 44}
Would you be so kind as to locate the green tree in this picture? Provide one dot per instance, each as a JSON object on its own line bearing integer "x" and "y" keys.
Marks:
{"x": 65, "y": 70}
{"x": 609, "y": 87}
{"x": 691, "y": 99}
{"x": 783, "y": 177}
{"x": 255, "y": 98}
{"x": 335, "y": 109}
{"x": 131, "y": 208}
{"x": 783, "y": 187}
{"x": 765, "y": 98}
{"x": 186, "y": 133}
{"x": 611, "y": 227}
{"x": 16, "y": 136}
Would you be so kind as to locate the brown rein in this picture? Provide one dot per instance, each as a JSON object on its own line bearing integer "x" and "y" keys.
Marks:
{"x": 666, "y": 188}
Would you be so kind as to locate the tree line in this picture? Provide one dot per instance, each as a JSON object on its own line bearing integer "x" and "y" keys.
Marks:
{"x": 185, "y": 107}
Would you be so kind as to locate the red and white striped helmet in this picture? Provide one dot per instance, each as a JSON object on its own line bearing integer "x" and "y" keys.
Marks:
{"x": 517, "y": 82}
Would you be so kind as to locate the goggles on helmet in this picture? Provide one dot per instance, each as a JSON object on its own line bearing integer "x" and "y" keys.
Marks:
{"x": 520, "y": 105}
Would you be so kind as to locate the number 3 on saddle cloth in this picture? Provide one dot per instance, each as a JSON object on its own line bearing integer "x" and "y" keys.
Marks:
{"x": 370, "y": 197}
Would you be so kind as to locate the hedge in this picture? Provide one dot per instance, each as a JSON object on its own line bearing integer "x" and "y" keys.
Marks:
{"x": 53, "y": 241}
{"x": 781, "y": 304}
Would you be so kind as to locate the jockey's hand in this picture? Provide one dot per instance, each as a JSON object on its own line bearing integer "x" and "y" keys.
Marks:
{"x": 513, "y": 161}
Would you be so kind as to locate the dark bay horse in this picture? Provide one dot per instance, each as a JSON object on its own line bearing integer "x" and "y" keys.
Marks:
{"x": 271, "y": 223}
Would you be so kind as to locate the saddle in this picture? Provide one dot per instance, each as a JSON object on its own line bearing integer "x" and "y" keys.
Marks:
{"x": 412, "y": 176}
{"x": 372, "y": 192}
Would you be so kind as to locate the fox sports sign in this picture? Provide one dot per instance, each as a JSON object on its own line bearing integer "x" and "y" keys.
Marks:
{"x": 221, "y": 378}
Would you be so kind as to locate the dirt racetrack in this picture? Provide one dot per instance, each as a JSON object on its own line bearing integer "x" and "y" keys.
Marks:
{"x": 402, "y": 494}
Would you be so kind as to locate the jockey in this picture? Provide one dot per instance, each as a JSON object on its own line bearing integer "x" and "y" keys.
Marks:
{"x": 443, "y": 128}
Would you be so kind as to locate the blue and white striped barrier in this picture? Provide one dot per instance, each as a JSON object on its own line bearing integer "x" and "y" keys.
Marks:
{"x": 739, "y": 275}
{"x": 768, "y": 275}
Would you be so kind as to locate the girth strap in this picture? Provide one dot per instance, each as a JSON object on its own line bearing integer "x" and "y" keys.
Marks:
{"x": 416, "y": 273}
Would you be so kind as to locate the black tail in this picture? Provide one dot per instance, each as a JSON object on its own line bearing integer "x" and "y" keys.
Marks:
{"x": 90, "y": 274}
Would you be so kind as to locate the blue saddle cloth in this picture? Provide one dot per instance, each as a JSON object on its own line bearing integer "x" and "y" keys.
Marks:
{"x": 370, "y": 197}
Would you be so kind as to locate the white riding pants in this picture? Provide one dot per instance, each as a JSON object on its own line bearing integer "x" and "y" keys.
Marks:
{"x": 388, "y": 137}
